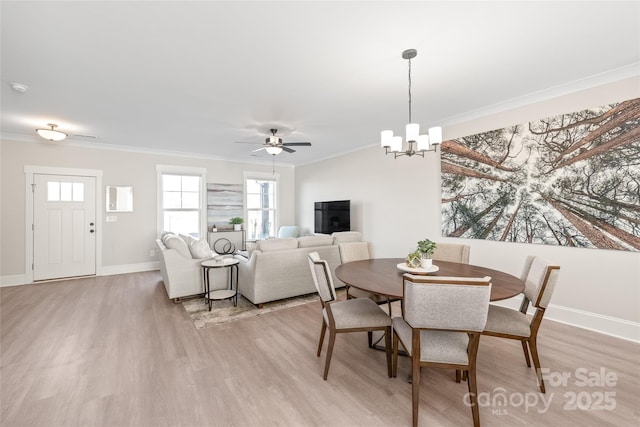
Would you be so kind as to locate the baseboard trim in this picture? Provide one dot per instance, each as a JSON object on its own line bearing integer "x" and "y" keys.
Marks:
{"x": 110, "y": 270}
{"x": 608, "y": 325}
{"x": 13, "y": 280}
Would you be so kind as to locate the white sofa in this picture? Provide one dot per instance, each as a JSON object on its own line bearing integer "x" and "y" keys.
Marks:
{"x": 278, "y": 268}
{"x": 180, "y": 266}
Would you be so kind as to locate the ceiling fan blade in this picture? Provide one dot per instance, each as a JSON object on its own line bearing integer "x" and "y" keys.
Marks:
{"x": 298, "y": 144}
{"x": 258, "y": 149}
{"x": 246, "y": 142}
{"x": 288, "y": 150}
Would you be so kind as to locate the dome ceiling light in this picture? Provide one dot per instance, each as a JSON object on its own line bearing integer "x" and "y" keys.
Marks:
{"x": 52, "y": 134}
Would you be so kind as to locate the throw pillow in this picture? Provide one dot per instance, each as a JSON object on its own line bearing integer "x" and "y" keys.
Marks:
{"x": 200, "y": 249}
{"x": 174, "y": 242}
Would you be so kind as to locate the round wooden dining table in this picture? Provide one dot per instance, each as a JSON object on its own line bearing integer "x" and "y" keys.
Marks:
{"x": 382, "y": 276}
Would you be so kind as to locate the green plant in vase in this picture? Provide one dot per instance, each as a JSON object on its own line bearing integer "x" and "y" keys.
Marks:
{"x": 237, "y": 222}
{"x": 426, "y": 248}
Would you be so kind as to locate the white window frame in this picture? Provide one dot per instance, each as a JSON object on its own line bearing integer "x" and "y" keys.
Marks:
{"x": 263, "y": 177}
{"x": 182, "y": 170}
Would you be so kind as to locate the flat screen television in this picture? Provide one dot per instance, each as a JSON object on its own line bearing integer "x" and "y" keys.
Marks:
{"x": 332, "y": 216}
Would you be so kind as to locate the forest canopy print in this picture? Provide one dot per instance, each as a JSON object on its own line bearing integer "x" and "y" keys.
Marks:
{"x": 569, "y": 180}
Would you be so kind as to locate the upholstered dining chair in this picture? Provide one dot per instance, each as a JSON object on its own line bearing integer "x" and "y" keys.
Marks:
{"x": 452, "y": 252}
{"x": 443, "y": 320}
{"x": 353, "y": 315}
{"x": 358, "y": 251}
{"x": 540, "y": 277}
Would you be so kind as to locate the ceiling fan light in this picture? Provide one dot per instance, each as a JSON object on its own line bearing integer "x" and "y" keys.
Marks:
{"x": 274, "y": 150}
{"x": 51, "y": 134}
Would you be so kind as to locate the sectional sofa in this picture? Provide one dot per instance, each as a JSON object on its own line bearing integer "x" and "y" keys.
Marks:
{"x": 278, "y": 268}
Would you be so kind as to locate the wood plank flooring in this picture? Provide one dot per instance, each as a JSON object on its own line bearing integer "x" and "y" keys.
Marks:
{"x": 114, "y": 351}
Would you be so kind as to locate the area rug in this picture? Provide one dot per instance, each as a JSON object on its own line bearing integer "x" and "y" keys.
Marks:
{"x": 223, "y": 311}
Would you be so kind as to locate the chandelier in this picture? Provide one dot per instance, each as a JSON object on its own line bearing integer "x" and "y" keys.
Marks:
{"x": 418, "y": 144}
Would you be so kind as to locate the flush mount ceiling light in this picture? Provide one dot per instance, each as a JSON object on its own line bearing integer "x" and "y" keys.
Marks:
{"x": 51, "y": 134}
{"x": 19, "y": 87}
{"x": 423, "y": 143}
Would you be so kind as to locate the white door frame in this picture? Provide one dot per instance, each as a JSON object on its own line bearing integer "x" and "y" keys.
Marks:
{"x": 30, "y": 171}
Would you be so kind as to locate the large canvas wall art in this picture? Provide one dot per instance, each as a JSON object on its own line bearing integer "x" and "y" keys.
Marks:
{"x": 569, "y": 180}
{"x": 224, "y": 201}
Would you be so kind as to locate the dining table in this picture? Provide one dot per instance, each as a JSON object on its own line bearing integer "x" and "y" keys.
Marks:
{"x": 383, "y": 276}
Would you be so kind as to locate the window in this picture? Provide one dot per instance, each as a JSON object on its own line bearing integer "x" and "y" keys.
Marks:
{"x": 261, "y": 202}
{"x": 181, "y": 200}
{"x": 59, "y": 191}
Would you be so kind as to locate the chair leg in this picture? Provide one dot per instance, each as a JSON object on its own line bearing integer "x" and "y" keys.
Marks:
{"x": 458, "y": 374}
{"x": 332, "y": 340}
{"x": 526, "y": 352}
{"x": 322, "y": 331}
{"x": 389, "y": 304}
{"x": 370, "y": 338}
{"x": 396, "y": 342}
{"x": 536, "y": 362}
{"x": 473, "y": 394}
{"x": 415, "y": 388}
{"x": 387, "y": 343}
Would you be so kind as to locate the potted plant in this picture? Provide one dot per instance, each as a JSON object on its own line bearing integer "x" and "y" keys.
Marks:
{"x": 237, "y": 222}
{"x": 426, "y": 248}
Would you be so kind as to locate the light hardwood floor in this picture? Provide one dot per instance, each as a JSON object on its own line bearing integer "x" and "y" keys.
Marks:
{"x": 114, "y": 351}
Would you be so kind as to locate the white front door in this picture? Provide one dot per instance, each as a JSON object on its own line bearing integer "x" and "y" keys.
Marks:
{"x": 64, "y": 226}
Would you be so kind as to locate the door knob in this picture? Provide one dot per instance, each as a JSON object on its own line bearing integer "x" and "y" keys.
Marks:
{"x": 91, "y": 231}
{"x": 91, "y": 224}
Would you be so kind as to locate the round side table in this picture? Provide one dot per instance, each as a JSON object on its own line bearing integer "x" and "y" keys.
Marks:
{"x": 220, "y": 294}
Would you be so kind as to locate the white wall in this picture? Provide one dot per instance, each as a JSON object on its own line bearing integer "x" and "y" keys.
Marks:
{"x": 127, "y": 242}
{"x": 396, "y": 203}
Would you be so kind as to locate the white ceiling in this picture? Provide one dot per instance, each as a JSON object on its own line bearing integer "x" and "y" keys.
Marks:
{"x": 196, "y": 76}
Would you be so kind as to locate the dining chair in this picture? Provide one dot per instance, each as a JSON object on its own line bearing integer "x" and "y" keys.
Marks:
{"x": 540, "y": 277}
{"x": 452, "y": 252}
{"x": 352, "y": 315}
{"x": 443, "y": 320}
{"x": 358, "y": 251}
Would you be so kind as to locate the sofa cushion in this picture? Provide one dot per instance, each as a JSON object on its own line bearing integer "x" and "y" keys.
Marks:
{"x": 200, "y": 249}
{"x": 312, "y": 241}
{"x": 277, "y": 244}
{"x": 174, "y": 242}
{"x": 346, "y": 237}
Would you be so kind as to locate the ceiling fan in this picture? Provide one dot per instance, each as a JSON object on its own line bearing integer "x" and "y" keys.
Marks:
{"x": 274, "y": 145}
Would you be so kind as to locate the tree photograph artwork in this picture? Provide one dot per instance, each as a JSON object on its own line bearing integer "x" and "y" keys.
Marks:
{"x": 569, "y": 180}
